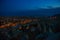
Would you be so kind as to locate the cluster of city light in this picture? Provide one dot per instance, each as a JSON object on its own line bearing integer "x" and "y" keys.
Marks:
{"x": 34, "y": 26}
{"x": 16, "y": 21}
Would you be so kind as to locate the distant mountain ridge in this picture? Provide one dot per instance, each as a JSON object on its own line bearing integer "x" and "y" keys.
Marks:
{"x": 57, "y": 15}
{"x": 42, "y": 12}
{"x": 38, "y": 12}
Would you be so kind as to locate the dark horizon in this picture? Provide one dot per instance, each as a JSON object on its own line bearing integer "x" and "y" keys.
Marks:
{"x": 38, "y": 12}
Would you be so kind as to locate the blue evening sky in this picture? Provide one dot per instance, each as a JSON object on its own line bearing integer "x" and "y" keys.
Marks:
{"x": 18, "y": 5}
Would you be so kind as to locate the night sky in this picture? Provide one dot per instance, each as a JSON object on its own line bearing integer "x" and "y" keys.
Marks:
{"x": 24, "y": 5}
